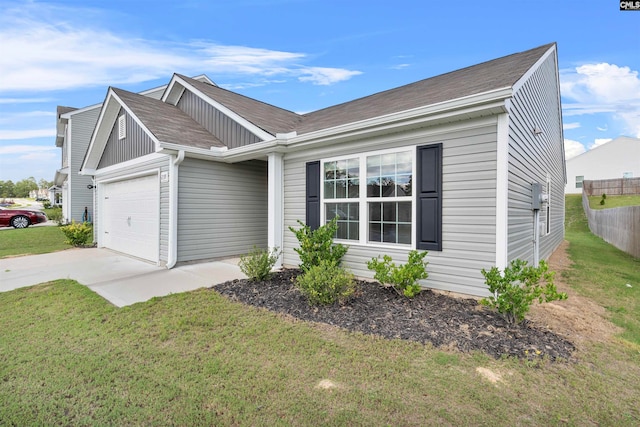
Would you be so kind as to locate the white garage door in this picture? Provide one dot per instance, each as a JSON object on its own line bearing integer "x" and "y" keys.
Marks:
{"x": 130, "y": 217}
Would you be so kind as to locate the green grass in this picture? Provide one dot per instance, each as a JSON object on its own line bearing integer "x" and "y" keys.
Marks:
{"x": 602, "y": 272}
{"x": 68, "y": 357}
{"x": 32, "y": 240}
{"x": 614, "y": 201}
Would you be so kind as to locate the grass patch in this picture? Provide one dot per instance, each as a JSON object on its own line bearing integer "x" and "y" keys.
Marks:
{"x": 614, "y": 201}
{"x": 602, "y": 272}
{"x": 32, "y": 240}
{"x": 67, "y": 357}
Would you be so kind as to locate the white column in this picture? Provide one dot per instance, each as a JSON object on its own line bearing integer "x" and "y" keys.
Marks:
{"x": 502, "y": 191}
{"x": 276, "y": 204}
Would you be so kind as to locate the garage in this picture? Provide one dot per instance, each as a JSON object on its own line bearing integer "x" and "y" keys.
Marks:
{"x": 130, "y": 216}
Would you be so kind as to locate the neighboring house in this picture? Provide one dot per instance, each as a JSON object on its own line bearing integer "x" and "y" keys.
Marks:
{"x": 445, "y": 164}
{"x": 55, "y": 195}
{"x": 73, "y": 133}
{"x": 619, "y": 158}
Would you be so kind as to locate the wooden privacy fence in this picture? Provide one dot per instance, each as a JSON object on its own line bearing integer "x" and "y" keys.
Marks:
{"x": 612, "y": 187}
{"x": 618, "y": 226}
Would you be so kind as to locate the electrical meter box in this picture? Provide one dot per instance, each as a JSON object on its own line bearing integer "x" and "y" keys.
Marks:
{"x": 536, "y": 196}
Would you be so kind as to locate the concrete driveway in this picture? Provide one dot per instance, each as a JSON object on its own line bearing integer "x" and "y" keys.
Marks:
{"x": 119, "y": 279}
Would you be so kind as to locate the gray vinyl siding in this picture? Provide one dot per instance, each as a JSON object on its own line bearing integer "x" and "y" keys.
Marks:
{"x": 230, "y": 132}
{"x": 136, "y": 143}
{"x": 222, "y": 209}
{"x": 152, "y": 166}
{"x": 79, "y": 195}
{"x": 469, "y": 195}
{"x": 531, "y": 157}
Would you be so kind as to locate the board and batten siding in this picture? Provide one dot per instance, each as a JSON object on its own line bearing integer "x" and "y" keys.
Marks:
{"x": 468, "y": 203}
{"x": 227, "y": 130}
{"x": 155, "y": 165}
{"x": 222, "y": 208}
{"x": 136, "y": 143}
{"x": 535, "y": 105}
{"x": 82, "y": 125}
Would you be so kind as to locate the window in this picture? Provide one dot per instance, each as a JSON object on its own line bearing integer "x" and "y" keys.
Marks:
{"x": 122, "y": 127}
{"x": 627, "y": 175}
{"x": 377, "y": 209}
{"x": 579, "y": 180}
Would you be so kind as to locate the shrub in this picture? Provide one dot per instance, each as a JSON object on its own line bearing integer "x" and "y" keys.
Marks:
{"x": 317, "y": 245}
{"x": 54, "y": 214}
{"x": 326, "y": 283}
{"x": 78, "y": 233}
{"x": 257, "y": 264}
{"x": 518, "y": 287}
{"x": 46, "y": 204}
{"x": 404, "y": 278}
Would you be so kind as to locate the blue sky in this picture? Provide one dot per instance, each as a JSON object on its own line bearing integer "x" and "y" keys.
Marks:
{"x": 302, "y": 55}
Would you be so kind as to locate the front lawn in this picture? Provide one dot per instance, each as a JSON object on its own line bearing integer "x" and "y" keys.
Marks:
{"x": 69, "y": 357}
{"x": 31, "y": 241}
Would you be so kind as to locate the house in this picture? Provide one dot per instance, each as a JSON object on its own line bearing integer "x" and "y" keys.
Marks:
{"x": 619, "y": 158}
{"x": 445, "y": 164}
{"x": 74, "y": 127}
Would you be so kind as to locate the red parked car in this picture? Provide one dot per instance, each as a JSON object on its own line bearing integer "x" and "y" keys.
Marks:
{"x": 20, "y": 218}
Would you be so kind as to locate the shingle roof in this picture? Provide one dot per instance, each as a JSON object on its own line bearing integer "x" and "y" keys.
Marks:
{"x": 166, "y": 122}
{"x": 491, "y": 75}
{"x": 61, "y": 109}
{"x": 265, "y": 116}
{"x": 498, "y": 73}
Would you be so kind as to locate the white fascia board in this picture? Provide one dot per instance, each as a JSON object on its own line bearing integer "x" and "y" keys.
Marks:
{"x": 263, "y": 135}
{"x": 68, "y": 115}
{"x": 127, "y": 165}
{"x": 522, "y": 80}
{"x": 108, "y": 113}
{"x": 474, "y": 104}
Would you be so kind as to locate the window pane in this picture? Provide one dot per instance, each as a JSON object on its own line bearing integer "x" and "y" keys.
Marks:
{"x": 374, "y": 232}
{"x": 375, "y": 212}
{"x": 373, "y": 187}
{"x": 348, "y": 219}
{"x": 389, "y": 212}
{"x": 341, "y": 189}
{"x": 354, "y": 231}
{"x": 404, "y": 234}
{"x": 373, "y": 166}
{"x": 330, "y": 211}
{"x": 354, "y": 168}
{"x": 404, "y": 212}
{"x": 354, "y": 188}
{"x": 329, "y": 170}
{"x": 329, "y": 191}
{"x": 343, "y": 231}
{"x": 389, "y": 233}
{"x": 404, "y": 185}
{"x": 388, "y": 186}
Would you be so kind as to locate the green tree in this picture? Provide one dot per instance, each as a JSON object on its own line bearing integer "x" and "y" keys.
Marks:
{"x": 7, "y": 189}
{"x": 43, "y": 183}
{"x": 23, "y": 187}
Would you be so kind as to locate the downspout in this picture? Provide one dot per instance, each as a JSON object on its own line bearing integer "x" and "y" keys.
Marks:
{"x": 174, "y": 164}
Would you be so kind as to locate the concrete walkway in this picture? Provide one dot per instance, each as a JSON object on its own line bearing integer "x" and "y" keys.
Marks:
{"x": 119, "y": 279}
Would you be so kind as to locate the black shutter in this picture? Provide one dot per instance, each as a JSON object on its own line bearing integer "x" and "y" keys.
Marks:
{"x": 429, "y": 192}
{"x": 313, "y": 195}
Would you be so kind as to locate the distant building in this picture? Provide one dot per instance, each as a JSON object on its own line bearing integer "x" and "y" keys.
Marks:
{"x": 619, "y": 158}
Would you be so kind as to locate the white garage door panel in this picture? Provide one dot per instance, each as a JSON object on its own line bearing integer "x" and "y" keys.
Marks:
{"x": 131, "y": 217}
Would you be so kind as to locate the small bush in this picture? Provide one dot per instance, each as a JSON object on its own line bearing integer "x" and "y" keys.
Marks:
{"x": 518, "y": 287}
{"x": 46, "y": 204}
{"x": 317, "y": 245}
{"x": 326, "y": 283}
{"x": 257, "y": 264}
{"x": 54, "y": 214}
{"x": 78, "y": 233}
{"x": 404, "y": 278}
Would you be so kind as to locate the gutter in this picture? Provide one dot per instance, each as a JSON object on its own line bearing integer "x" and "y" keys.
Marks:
{"x": 174, "y": 164}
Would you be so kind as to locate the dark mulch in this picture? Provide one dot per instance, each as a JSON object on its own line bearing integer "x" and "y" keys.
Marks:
{"x": 430, "y": 317}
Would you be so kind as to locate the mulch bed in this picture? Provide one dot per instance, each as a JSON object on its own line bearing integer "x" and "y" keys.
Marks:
{"x": 430, "y": 317}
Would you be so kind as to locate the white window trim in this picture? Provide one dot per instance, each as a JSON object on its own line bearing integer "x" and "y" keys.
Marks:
{"x": 363, "y": 200}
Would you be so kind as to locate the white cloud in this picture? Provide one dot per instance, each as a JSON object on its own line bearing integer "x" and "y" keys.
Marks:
{"x": 55, "y": 52}
{"x": 400, "y": 66}
{"x": 25, "y": 149}
{"x": 26, "y": 134}
{"x": 574, "y": 125}
{"x": 24, "y": 100}
{"x": 572, "y": 148}
{"x": 603, "y": 88}
{"x": 326, "y": 76}
{"x": 602, "y": 129}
